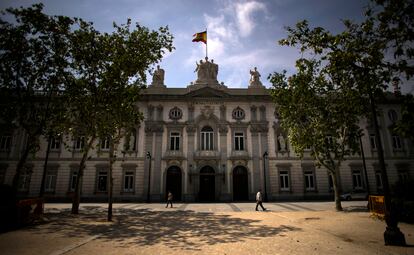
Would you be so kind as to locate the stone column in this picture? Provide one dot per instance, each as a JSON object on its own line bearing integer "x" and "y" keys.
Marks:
{"x": 156, "y": 173}
{"x": 148, "y": 148}
{"x": 190, "y": 193}
{"x": 225, "y": 196}
{"x": 265, "y": 147}
{"x": 257, "y": 176}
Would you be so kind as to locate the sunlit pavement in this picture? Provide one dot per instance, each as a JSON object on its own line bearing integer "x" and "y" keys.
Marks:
{"x": 215, "y": 207}
{"x": 206, "y": 228}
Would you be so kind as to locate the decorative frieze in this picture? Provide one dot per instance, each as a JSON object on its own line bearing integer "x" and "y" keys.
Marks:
{"x": 154, "y": 126}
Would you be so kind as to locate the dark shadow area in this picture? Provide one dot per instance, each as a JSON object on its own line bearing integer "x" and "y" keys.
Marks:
{"x": 176, "y": 229}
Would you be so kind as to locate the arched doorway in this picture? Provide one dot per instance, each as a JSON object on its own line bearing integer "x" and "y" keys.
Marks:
{"x": 240, "y": 184}
{"x": 207, "y": 184}
{"x": 174, "y": 182}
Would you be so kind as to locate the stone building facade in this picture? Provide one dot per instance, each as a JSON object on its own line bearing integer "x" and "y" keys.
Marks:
{"x": 206, "y": 142}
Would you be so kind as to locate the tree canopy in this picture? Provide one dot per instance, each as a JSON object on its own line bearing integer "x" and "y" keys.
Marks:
{"x": 321, "y": 105}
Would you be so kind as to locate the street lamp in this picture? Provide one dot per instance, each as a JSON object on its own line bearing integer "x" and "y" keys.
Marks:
{"x": 392, "y": 234}
{"x": 265, "y": 154}
{"x": 149, "y": 176}
{"x": 363, "y": 162}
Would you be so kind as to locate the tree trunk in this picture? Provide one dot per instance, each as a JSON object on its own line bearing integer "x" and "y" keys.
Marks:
{"x": 22, "y": 162}
{"x": 338, "y": 205}
{"x": 76, "y": 196}
{"x": 111, "y": 181}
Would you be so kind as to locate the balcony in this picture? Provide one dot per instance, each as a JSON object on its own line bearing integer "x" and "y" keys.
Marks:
{"x": 240, "y": 155}
{"x": 206, "y": 155}
{"x": 173, "y": 155}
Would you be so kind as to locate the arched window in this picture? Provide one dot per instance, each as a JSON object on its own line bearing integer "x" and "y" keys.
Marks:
{"x": 207, "y": 138}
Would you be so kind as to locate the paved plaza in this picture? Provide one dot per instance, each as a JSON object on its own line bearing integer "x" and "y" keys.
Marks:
{"x": 208, "y": 228}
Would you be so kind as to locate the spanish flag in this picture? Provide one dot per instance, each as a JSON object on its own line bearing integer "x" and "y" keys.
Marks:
{"x": 200, "y": 37}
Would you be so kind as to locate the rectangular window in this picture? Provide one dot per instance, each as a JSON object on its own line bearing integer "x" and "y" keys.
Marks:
{"x": 373, "y": 142}
{"x": 207, "y": 141}
{"x": 50, "y": 182}
{"x": 309, "y": 181}
{"x": 129, "y": 181}
{"x": 396, "y": 142}
{"x": 378, "y": 178}
{"x": 80, "y": 142}
{"x": 357, "y": 179}
{"x": 403, "y": 175}
{"x": 55, "y": 143}
{"x": 105, "y": 143}
{"x": 73, "y": 179}
{"x": 102, "y": 181}
{"x": 239, "y": 141}
{"x": 175, "y": 141}
{"x": 24, "y": 182}
{"x": 5, "y": 142}
{"x": 284, "y": 180}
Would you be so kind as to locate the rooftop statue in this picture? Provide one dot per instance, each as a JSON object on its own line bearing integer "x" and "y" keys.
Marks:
{"x": 206, "y": 72}
{"x": 255, "y": 78}
{"x": 158, "y": 77}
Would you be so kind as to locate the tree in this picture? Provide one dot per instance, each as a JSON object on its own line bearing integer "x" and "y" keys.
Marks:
{"x": 405, "y": 125}
{"x": 109, "y": 71}
{"x": 33, "y": 67}
{"x": 319, "y": 115}
{"x": 363, "y": 59}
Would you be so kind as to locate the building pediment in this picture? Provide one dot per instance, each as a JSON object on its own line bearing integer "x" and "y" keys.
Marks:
{"x": 207, "y": 92}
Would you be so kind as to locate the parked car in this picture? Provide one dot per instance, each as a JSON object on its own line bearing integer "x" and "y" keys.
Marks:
{"x": 355, "y": 195}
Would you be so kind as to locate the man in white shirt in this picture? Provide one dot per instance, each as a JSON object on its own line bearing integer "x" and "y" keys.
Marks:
{"x": 259, "y": 200}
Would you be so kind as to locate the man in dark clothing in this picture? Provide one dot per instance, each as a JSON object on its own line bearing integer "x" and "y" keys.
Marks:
{"x": 169, "y": 199}
{"x": 259, "y": 200}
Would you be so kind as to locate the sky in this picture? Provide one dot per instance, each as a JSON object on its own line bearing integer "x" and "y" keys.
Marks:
{"x": 242, "y": 34}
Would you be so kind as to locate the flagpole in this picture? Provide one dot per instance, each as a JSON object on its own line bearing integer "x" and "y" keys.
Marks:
{"x": 206, "y": 43}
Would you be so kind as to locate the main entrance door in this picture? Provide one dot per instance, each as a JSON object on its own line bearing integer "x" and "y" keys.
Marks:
{"x": 240, "y": 184}
{"x": 174, "y": 182}
{"x": 207, "y": 184}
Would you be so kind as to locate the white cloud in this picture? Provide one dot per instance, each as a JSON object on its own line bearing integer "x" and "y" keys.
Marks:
{"x": 226, "y": 43}
{"x": 244, "y": 12}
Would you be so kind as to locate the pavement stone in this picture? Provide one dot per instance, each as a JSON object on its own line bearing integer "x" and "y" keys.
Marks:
{"x": 222, "y": 228}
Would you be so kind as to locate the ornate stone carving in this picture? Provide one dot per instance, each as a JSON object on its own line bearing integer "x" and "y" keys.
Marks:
{"x": 238, "y": 113}
{"x": 282, "y": 142}
{"x": 239, "y": 163}
{"x": 175, "y": 113}
{"x": 207, "y": 111}
{"x": 191, "y": 128}
{"x": 154, "y": 126}
{"x": 223, "y": 128}
{"x": 259, "y": 127}
{"x": 255, "y": 78}
{"x": 206, "y": 72}
{"x": 174, "y": 162}
{"x": 158, "y": 77}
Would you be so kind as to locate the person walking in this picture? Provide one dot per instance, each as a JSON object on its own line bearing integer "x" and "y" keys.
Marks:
{"x": 169, "y": 199}
{"x": 259, "y": 199}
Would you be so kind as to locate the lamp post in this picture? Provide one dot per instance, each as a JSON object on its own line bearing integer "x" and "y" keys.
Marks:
{"x": 42, "y": 185}
{"x": 392, "y": 234}
{"x": 265, "y": 154}
{"x": 363, "y": 162}
{"x": 149, "y": 176}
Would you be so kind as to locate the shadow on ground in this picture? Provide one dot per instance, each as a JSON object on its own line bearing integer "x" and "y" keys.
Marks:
{"x": 176, "y": 229}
